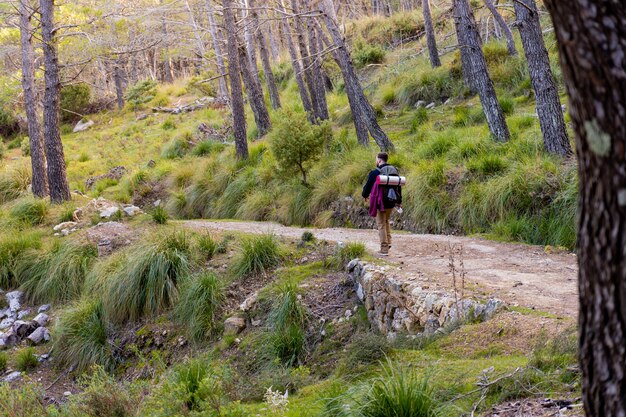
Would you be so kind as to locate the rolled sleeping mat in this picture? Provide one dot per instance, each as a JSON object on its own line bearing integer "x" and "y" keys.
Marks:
{"x": 390, "y": 180}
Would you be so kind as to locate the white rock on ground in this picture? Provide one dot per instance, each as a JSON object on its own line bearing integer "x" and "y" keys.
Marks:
{"x": 12, "y": 377}
{"x": 132, "y": 210}
{"x": 7, "y": 339}
{"x": 43, "y": 308}
{"x": 234, "y": 325}
{"x": 39, "y": 336}
{"x": 82, "y": 126}
{"x": 15, "y": 300}
{"x": 63, "y": 226}
{"x": 41, "y": 319}
{"x": 108, "y": 212}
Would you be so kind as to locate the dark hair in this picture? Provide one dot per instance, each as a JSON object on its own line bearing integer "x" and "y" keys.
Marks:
{"x": 383, "y": 156}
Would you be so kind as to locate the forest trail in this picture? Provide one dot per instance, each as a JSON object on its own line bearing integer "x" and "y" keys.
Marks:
{"x": 521, "y": 275}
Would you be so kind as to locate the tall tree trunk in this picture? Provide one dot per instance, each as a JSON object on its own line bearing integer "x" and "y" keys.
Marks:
{"x": 347, "y": 69}
{"x": 475, "y": 67}
{"x": 168, "y": 77}
{"x": 295, "y": 63}
{"x": 546, "y": 93}
{"x": 255, "y": 93}
{"x": 274, "y": 47}
{"x": 433, "y": 53}
{"x": 217, "y": 46}
{"x": 57, "y": 177}
{"x": 248, "y": 32}
{"x": 118, "y": 78}
{"x": 591, "y": 37}
{"x": 236, "y": 99}
{"x": 265, "y": 58}
{"x": 37, "y": 156}
{"x": 510, "y": 42}
{"x": 319, "y": 84}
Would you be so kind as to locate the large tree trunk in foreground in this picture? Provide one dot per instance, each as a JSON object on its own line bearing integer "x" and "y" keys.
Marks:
{"x": 510, "y": 42}
{"x": 37, "y": 156}
{"x": 57, "y": 177}
{"x": 475, "y": 67}
{"x": 265, "y": 58}
{"x": 546, "y": 93}
{"x": 347, "y": 69}
{"x": 431, "y": 41}
{"x": 216, "y": 40}
{"x": 236, "y": 99}
{"x": 592, "y": 44}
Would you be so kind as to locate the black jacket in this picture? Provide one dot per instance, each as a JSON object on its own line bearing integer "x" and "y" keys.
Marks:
{"x": 371, "y": 179}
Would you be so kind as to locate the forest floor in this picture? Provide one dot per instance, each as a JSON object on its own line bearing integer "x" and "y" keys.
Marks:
{"x": 524, "y": 276}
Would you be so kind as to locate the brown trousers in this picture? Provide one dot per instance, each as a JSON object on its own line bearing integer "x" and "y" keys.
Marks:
{"x": 384, "y": 230}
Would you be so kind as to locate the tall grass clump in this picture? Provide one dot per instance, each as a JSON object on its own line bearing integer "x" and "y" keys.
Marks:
{"x": 400, "y": 392}
{"x": 80, "y": 338}
{"x": 207, "y": 246}
{"x": 29, "y": 211}
{"x": 287, "y": 318}
{"x": 13, "y": 245}
{"x": 199, "y": 304}
{"x": 148, "y": 281}
{"x": 3, "y": 361}
{"x": 346, "y": 253}
{"x": 256, "y": 255}
{"x": 57, "y": 275}
{"x": 26, "y": 359}
{"x": 14, "y": 183}
{"x": 431, "y": 85}
{"x": 103, "y": 396}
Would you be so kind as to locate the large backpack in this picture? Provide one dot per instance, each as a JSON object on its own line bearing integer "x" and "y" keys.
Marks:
{"x": 391, "y": 193}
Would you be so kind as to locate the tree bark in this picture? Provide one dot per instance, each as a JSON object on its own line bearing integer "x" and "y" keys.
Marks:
{"x": 319, "y": 85}
{"x": 37, "y": 156}
{"x": 347, "y": 69}
{"x": 265, "y": 59}
{"x": 295, "y": 63}
{"x": 57, "y": 177}
{"x": 591, "y": 36}
{"x": 217, "y": 46}
{"x": 236, "y": 99}
{"x": 510, "y": 42}
{"x": 118, "y": 78}
{"x": 250, "y": 49}
{"x": 433, "y": 53}
{"x": 475, "y": 67}
{"x": 255, "y": 94}
{"x": 546, "y": 93}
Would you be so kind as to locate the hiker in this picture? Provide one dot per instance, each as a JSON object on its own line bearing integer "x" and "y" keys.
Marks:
{"x": 383, "y": 199}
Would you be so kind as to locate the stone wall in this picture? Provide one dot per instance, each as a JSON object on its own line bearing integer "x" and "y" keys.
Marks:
{"x": 405, "y": 307}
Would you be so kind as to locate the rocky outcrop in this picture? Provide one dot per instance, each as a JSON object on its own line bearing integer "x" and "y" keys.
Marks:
{"x": 395, "y": 306}
{"x": 15, "y": 327}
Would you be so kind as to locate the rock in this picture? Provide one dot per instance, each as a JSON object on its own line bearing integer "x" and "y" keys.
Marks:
{"x": 82, "y": 126}
{"x": 448, "y": 101}
{"x": 41, "y": 319}
{"x": 420, "y": 103}
{"x": 256, "y": 323}
{"x": 492, "y": 307}
{"x": 108, "y": 212}
{"x": 249, "y": 302}
{"x": 64, "y": 226}
{"x": 7, "y": 339}
{"x": 15, "y": 300}
{"x": 105, "y": 247}
{"x": 43, "y": 308}
{"x": 7, "y": 322}
{"x": 142, "y": 116}
{"x": 151, "y": 163}
{"x": 348, "y": 314}
{"x": 39, "y": 336}
{"x": 132, "y": 210}
{"x": 67, "y": 393}
{"x": 157, "y": 203}
{"x": 24, "y": 328}
{"x": 4, "y": 313}
{"x": 12, "y": 377}
{"x": 234, "y": 325}
{"x": 430, "y": 106}
{"x": 23, "y": 313}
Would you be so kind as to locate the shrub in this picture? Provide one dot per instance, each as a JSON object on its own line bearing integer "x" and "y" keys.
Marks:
{"x": 30, "y": 211}
{"x": 287, "y": 319}
{"x": 257, "y": 254}
{"x": 147, "y": 283}
{"x": 3, "y": 361}
{"x": 81, "y": 337}
{"x": 159, "y": 215}
{"x": 431, "y": 85}
{"x": 25, "y": 147}
{"x": 207, "y": 147}
{"x": 206, "y": 245}
{"x": 365, "y": 349}
{"x": 176, "y": 148}
{"x": 74, "y": 99}
{"x": 222, "y": 247}
{"x": 364, "y": 54}
{"x": 348, "y": 252}
{"x": 22, "y": 400}
{"x": 2, "y": 151}
{"x": 399, "y": 393}
{"x": 13, "y": 183}
{"x": 26, "y": 359}
{"x": 200, "y": 300}
{"x": 140, "y": 93}
{"x": 57, "y": 275}
{"x": 487, "y": 165}
{"x": 103, "y": 396}
{"x": 307, "y": 237}
{"x": 9, "y": 125}
{"x": 419, "y": 118}
{"x": 13, "y": 245}
{"x": 296, "y": 143}
{"x": 507, "y": 104}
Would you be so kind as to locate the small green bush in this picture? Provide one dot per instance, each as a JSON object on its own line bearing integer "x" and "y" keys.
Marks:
{"x": 487, "y": 165}
{"x": 9, "y": 126}
{"x": 365, "y": 349}
{"x": 13, "y": 246}
{"x": 103, "y": 396}
{"x": 26, "y": 359}
{"x": 287, "y": 319}
{"x": 3, "y": 361}
{"x": 81, "y": 338}
{"x": 507, "y": 104}
{"x": 176, "y": 148}
{"x": 419, "y": 118}
{"x": 348, "y": 252}
{"x": 169, "y": 124}
{"x": 30, "y": 211}
{"x": 140, "y": 93}
{"x": 256, "y": 255}
{"x": 148, "y": 282}
{"x": 200, "y": 301}
{"x": 25, "y": 147}
{"x": 159, "y": 215}
{"x": 207, "y": 147}
{"x": 3, "y": 151}
{"x": 307, "y": 237}
{"x": 432, "y": 85}
{"x": 206, "y": 245}
{"x": 364, "y": 54}
{"x": 222, "y": 247}
{"x": 74, "y": 99}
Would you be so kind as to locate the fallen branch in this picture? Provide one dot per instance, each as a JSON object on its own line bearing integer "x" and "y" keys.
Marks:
{"x": 196, "y": 105}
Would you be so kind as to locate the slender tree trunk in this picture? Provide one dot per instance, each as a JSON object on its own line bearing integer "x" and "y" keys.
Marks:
{"x": 592, "y": 44}
{"x": 433, "y": 53}
{"x": 274, "y": 47}
{"x": 475, "y": 67}
{"x": 255, "y": 94}
{"x": 37, "y": 156}
{"x": 546, "y": 93}
{"x": 217, "y": 46}
{"x": 248, "y": 32}
{"x": 236, "y": 100}
{"x": 295, "y": 63}
{"x": 57, "y": 177}
{"x": 168, "y": 77}
{"x": 265, "y": 58}
{"x": 118, "y": 78}
{"x": 347, "y": 69}
{"x": 510, "y": 42}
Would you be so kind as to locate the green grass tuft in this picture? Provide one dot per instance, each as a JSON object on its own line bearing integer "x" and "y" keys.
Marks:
{"x": 30, "y": 211}
{"x": 13, "y": 245}
{"x": 199, "y": 304}
{"x": 159, "y": 215}
{"x": 256, "y": 255}
{"x": 26, "y": 360}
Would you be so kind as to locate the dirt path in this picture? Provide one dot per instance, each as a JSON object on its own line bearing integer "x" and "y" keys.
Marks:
{"x": 518, "y": 274}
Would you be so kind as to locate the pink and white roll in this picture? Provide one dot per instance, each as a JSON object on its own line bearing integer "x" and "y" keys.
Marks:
{"x": 390, "y": 180}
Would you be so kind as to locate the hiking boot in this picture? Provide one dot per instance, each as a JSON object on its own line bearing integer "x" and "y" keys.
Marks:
{"x": 384, "y": 250}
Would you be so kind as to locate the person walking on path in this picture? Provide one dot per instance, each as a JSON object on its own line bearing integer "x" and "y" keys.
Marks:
{"x": 383, "y": 199}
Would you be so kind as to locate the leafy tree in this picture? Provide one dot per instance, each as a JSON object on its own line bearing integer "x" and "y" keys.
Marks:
{"x": 74, "y": 99}
{"x": 141, "y": 93}
{"x": 296, "y": 143}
